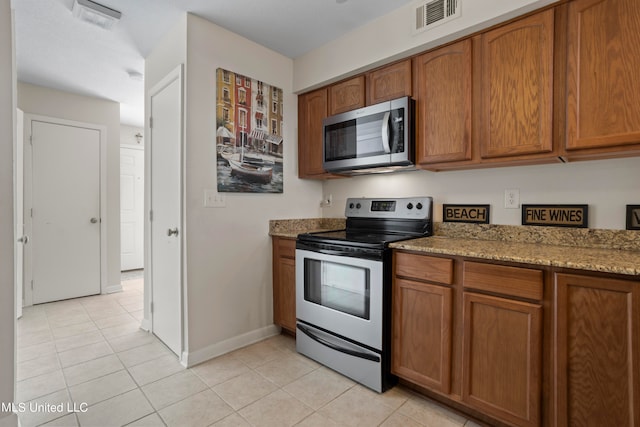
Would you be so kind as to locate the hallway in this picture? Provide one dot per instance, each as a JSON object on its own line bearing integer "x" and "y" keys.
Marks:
{"x": 88, "y": 355}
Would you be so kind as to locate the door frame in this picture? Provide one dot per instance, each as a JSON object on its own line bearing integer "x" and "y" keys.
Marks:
{"x": 28, "y": 195}
{"x": 18, "y": 211}
{"x": 147, "y": 323}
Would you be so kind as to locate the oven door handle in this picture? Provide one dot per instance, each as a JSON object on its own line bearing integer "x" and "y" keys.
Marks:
{"x": 332, "y": 346}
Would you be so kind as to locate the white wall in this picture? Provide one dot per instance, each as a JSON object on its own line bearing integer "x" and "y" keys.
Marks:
{"x": 228, "y": 250}
{"x": 389, "y": 38}
{"x": 605, "y": 185}
{"x": 34, "y": 99}
{"x": 7, "y": 238}
{"x": 128, "y": 135}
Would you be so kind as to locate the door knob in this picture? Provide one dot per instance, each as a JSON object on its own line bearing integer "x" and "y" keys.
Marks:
{"x": 24, "y": 239}
{"x": 93, "y": 220}
{"x": 172, "y": 232}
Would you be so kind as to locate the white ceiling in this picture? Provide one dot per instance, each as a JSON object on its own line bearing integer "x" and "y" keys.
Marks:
{"x": 55, "y": 50}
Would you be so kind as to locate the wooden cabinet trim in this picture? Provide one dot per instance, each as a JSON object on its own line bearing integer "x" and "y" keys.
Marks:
{"x": 516, "y": 282}
{"x": 488, "y": 396}
{"x": 423, "y": 267}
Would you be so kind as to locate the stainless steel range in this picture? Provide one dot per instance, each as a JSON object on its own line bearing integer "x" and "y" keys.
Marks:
{"x": 343, "y": 287}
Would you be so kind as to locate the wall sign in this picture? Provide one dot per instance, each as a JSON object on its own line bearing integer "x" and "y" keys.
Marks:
{"x": 556, "y": 215}
{"x": 474, "y": 214}
{"x": 633, "y": 217}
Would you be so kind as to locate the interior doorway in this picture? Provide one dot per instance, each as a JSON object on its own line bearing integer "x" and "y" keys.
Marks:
{"x": 166, "y": 223}
{"x": 131, "y": 208}
{"x": 64, "y": 209}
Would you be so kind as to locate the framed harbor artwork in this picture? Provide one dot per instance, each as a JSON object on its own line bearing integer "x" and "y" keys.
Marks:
{"x": 249, "y": 143}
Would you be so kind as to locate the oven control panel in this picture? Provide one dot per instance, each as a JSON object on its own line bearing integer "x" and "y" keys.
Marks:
{"x": 396, "y": 208}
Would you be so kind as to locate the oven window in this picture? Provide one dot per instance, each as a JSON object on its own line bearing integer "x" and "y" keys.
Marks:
{"x": 341, "y": 287}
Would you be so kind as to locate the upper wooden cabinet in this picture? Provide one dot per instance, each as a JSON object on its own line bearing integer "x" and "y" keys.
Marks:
{"x": 347, "y": 95}
{"x": 312, "y": 109}
{"x": 603, "y": 74}
{"x": 390, "y": 82}
{"x": 517, "y": 87}
{"x": 442, "y": 81}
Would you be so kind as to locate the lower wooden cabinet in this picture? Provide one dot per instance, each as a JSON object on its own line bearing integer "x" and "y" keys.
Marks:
{"x": 422, "y": 333}
{"x": 597, "y": 351}
{"x": 502, "y": 358}
{"x": 493, "y": 339}
{"x": 284, "y": 283}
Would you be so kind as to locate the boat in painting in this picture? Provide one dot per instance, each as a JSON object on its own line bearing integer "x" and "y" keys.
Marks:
{"x": 248, "y": 167}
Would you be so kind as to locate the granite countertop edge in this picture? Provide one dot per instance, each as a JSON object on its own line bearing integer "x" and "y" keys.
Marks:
{"x": 609, "y": 251}
{"x": 614, "y": 261}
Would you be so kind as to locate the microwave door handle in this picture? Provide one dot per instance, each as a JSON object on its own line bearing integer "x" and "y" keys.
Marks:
{"x": 385, "y": 132}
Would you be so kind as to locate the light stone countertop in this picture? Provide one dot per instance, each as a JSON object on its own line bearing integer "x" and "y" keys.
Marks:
{"x": 581, "y": 258}
{"x": 290, "y": 228}
{"x": 608, "y": 251}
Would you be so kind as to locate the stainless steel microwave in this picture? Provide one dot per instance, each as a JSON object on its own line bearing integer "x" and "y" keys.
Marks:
{"x": 370, "y": 139}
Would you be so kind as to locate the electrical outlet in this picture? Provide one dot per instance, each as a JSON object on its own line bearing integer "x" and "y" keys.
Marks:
{"x": 512, "y": 198}
{"x": 326, "y": 201}
{"x": 213, "y": 199}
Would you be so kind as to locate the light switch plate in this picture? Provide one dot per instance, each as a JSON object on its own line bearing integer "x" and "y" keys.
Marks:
{"x": 213, "y": 199}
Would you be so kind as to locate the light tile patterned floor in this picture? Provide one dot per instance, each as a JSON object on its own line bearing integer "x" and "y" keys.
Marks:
{"x": 89, "y": 353}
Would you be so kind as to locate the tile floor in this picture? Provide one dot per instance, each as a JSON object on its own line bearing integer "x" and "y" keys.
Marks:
{"x": 85, "y": 362}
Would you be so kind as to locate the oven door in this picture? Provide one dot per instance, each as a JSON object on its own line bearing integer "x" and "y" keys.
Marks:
{"x": 341, "y": 294}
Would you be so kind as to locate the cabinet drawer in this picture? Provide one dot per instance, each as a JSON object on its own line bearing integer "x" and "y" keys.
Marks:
{"x": 287, "y": 247}
{"x": 512, "y": 281}
{"x": 423, "y": 267}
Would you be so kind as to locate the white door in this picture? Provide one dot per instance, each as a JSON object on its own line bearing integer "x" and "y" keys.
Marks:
{"x": 166, "y": 206}
{"x": 65, "y": 211}
{"x": 21, "y": 238}
{"x": 131, "y": 208}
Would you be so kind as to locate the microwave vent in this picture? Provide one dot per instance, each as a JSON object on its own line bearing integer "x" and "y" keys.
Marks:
{"x": 432, "y": 13}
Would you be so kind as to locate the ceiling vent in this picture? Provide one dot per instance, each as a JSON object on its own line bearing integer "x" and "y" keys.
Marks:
{"x": 432, "y": 13}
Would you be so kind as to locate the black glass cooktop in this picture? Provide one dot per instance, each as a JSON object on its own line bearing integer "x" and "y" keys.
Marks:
{"x": 356, "y": 238}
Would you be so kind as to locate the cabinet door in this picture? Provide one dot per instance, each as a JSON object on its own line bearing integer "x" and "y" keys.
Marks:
{"x": 517, "y": 88}
{"x": 347, "y": 95}
{"x": 502, "y": 358}
{"x": 603, "y": 72}
{"x": 312, "y": 109}
{"x": 390, "y": 82}
{"x": 286, "y": 316}
{"x": 443, "y": 104}
{"x": 421, "y": 350}
{"x": 284, "y": 283}
{"x": 597, "y": 348}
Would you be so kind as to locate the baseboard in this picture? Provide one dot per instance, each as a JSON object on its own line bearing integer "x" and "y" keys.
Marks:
{"x": 145, "y": 325}
{"x": 113, "y": 288}
{"x": 193, "y": 358}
